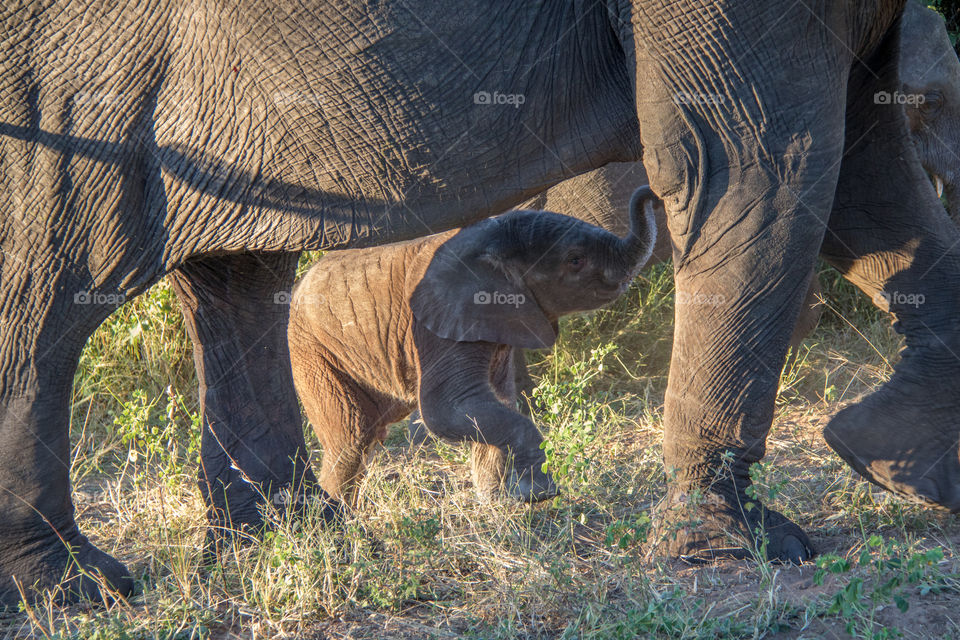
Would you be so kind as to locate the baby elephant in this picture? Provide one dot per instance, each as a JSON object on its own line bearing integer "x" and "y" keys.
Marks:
{"x": 434, "y": 321}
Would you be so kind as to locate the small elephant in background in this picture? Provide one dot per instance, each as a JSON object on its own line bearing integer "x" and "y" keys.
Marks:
{"x": 434, "y": 322}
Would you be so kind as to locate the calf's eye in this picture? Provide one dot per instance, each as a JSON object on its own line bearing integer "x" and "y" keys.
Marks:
{"x": 576, "y": 262}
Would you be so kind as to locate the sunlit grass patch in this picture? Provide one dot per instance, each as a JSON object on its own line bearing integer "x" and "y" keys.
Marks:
{"x": 421, "y": 556}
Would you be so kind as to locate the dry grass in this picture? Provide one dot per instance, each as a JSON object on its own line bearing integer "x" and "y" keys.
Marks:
{"x": 421, "y": 557}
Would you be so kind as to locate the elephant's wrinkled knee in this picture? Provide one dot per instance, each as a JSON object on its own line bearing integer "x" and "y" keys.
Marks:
{"x": 673, "y": 175}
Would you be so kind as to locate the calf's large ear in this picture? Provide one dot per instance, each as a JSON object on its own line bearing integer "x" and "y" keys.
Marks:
{"x": 468, "y": 294}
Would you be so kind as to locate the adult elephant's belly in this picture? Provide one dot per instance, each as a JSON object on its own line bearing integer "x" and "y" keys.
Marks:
{"x": 394, "y": 138}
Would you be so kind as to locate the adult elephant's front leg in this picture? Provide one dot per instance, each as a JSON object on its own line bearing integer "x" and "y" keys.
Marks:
{"x": 737, "y": 303}
{"x": 733, "y": 328}
{"x": 747, "y": 172}
{"x": 236, "y": 309}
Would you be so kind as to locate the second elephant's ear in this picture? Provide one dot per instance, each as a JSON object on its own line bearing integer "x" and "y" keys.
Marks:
{"x": 468, "y": 294}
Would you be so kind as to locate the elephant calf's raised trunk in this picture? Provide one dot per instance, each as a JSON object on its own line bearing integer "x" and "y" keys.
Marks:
{"x": 637, "y": 246}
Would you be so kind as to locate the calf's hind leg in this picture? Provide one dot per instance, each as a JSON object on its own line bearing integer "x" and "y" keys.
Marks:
{"x": 348, "y": 421}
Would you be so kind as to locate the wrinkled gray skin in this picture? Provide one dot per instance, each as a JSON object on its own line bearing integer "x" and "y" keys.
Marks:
{"x": 214, "y": 141}
{"x": 434, "y": 322}
{"x": 929, "y": 68}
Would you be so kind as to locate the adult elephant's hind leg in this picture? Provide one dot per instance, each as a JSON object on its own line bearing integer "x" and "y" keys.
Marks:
{"x": 890, "y": 236}
{"x": 252, "y": 449}
{"x": 40, "y": 342}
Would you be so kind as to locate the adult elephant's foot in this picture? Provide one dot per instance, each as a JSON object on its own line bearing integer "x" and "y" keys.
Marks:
{"x": 706, "y": 526}
{"x": 45, "y": 562}
{"x": 904, "y": 437}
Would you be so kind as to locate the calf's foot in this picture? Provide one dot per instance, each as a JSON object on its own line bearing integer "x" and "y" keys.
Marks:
{"x": 527, "y": 482}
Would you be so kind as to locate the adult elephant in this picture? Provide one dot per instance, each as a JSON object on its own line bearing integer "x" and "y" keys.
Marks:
{"x": 213, "y": 141}
{"x": 929, "y": 90}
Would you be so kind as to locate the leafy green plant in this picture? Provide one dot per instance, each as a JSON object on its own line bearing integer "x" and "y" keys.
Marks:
{"x": 763, "y": 489}
{"x": 891, "y": 571}
{"x": 572, "y": 418}
{"x": 631, "y": 532}
{"x": 164, "y": 441}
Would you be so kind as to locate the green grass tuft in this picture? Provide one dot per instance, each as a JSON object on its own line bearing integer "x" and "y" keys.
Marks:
{"x": 420, "y": 556}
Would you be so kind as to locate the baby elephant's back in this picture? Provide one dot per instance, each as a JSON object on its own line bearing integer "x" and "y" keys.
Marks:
{"x": 350, "y": 311}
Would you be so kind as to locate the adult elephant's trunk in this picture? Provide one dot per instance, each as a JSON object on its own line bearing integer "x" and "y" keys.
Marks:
{"x": 637, "y": 245}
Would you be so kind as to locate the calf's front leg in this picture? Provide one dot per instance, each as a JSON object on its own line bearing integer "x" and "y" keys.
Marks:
{"x": 458, "y": 402}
